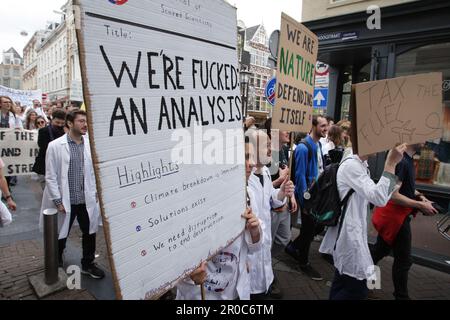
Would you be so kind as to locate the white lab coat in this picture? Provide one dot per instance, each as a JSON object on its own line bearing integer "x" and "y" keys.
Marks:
{"x": 15, "y": 122}
{"x": 261, "y": 202}
{"x": 237, "y": 283}
{"x": 57, "y": 184}
{"x": 352, "y": 256}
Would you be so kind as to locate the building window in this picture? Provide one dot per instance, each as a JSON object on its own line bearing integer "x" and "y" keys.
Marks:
{"x": 16, "y": 72}
{"x": 257, "y": 103}
{"x": 260, "y": 37}
{"x": 258, "y": 57}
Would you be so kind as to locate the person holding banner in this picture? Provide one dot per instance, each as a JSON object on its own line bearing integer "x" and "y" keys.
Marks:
{"x": 8, "y": 118}
{"x": 71, "y": 188}
{"x": 347, "y": 241}
{"x": 264, "y": 197}
{"x": 30, "y": 121}
{"x": 226, "y": 275}
{"x": 5, "y": 215}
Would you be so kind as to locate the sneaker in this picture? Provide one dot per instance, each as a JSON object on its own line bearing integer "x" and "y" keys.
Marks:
{"x": 311, "y": 272}
{"x": 93, "y": 271}
{"x": 292, "y": 251}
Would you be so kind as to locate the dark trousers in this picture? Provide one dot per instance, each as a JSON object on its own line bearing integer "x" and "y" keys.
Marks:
{"x": 88, "y": 240}
{"x": 402, "y": 258}
{"x": 308, "y": 230}
{"x": 345, "y": 287}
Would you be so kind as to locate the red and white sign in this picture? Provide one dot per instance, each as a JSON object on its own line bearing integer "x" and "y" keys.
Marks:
{"x": 322, "y": 75}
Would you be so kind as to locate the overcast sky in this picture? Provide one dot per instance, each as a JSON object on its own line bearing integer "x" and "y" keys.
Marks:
{"x": 31, "y": 15}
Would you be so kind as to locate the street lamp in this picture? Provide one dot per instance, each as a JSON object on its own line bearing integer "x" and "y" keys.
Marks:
{"x": 244, "y": 76}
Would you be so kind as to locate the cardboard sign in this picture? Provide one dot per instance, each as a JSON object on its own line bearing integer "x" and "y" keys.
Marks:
{"x": 162, "y": 86}
{"x": 400, "y": 110}
{"x": 19, "y": 150}
{"x": 25, "y": 97}
{"x": 297, "y": 55}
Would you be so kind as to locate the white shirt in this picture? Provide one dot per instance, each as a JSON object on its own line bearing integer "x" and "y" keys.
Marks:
{"x": 329, "y": 145}
{"x": 262, "y": 200}
{"x": 228, "y": 276}
{"x": 352, "y": 256}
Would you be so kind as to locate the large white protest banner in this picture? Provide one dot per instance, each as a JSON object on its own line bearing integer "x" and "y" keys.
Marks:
{"x": 18, "y": 149}
{"x": 25, "y": 97}
{"x": 165, "y": 122}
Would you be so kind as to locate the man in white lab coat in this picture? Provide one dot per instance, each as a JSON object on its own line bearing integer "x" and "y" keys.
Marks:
{"x": 263, "y": 198}
{"x": 349, "y": 246}
{"x": 71, "y": 188}
{"x": 37, "y": 107}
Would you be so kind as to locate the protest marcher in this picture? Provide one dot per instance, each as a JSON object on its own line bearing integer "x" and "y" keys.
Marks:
{"x": 333, "y": 150}
{"x": 325, "y": 140}
{"x": 249, "y": 123}
{"x": 40, "y": 123}
{"x": 8, "y": 118}
{"x": 307, "y": 157}
{"x": 5, "y": 214}
{"x": 46, "y": 135}
{"x": 347, "y": 241}
{"x": 37, "y": 107}
{"x": 233, "y": 280}
{"x": 281, "y": 218}
{"x": 20, "y": 111}
{"x": 263, "y": 198}
{"x": 30, "y": 120}
{"x": 71, "y": 189}
{"x": 393, "y": 222}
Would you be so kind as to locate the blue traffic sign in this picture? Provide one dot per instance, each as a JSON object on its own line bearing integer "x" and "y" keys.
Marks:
{"x": 320, "y": 97}
{"x": 270, "y": 91}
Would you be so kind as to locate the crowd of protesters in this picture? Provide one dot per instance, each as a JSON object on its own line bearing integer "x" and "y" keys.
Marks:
{"x": 278, "y": 180}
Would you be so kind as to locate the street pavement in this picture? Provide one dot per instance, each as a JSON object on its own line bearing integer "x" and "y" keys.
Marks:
{"x": 21, "y": 255}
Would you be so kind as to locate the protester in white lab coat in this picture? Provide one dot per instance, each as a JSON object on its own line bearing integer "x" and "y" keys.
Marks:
{"x": 349, "y": 248}
{"x": 5, "y": 214}
{"x": 263, "y": 198}
{"x": 226, "y": 276}
{"x": 37, "y": 107}
{"x": 70, "y": 187}
{"x": 8, "y": 118}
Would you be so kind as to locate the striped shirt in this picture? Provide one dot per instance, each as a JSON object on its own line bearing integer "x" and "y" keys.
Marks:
{"x": 76, "y": 171}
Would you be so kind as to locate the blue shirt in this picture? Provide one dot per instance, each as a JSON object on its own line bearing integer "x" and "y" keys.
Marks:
{"x": 305, "y": 173}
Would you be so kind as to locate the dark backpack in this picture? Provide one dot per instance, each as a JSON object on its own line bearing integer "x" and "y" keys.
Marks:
{"x": 322, "y": 200}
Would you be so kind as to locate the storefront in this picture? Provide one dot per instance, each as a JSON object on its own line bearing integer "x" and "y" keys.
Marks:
{"x": 414, "y": 38}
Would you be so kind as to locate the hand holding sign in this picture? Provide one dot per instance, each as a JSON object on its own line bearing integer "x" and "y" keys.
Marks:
{"x": 286, "y": 189}
{"x": 252, "y": 224}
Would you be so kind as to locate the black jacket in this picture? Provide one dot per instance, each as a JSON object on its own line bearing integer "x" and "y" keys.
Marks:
{"x": 44, "y": 138}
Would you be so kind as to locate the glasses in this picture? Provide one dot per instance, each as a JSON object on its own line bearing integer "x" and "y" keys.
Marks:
{"x": 41, "y": 122}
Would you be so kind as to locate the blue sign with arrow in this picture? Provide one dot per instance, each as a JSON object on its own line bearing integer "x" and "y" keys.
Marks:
{"x": 320, "y": 98}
